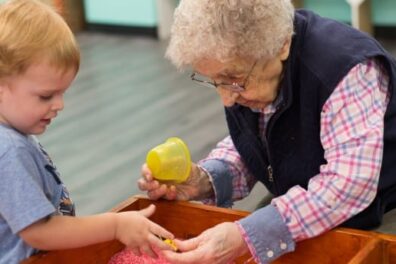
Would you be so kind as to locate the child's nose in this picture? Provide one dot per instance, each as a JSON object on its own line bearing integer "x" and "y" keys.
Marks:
{"x": 58, "y": 103}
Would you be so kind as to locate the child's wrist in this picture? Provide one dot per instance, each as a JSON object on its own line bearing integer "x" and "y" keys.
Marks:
{"x": 115, "y": 223}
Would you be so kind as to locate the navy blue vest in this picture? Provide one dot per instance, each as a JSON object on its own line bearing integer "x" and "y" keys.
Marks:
{"x": 323, "y": 51}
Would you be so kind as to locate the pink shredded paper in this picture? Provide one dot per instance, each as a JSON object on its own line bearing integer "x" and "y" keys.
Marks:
{"x": 128, "y": 257}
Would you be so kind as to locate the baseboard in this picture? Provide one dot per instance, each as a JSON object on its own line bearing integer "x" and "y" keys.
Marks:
{"x": 388, "y": 32}
{"x": 118, "y": 29}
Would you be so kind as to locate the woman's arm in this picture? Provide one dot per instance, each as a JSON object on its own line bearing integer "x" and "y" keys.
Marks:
{"x": 352, "y": 125}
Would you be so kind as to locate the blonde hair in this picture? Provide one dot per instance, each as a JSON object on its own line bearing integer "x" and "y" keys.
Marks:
{"x": 224, "y": 29}
{"x": 31, "y": 31}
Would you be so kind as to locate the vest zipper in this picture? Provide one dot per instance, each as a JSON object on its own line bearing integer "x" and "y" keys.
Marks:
{"x": 267, "y": 134}
{"x": 270, "y": 173}
{"x": 269, "y": 167}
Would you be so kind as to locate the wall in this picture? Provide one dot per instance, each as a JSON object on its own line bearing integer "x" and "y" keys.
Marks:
{"x": 121, "y": 12}
{"x": 144, "y": 12}
{"x": 382, "y": 11}
{"x": 336, "y": 9}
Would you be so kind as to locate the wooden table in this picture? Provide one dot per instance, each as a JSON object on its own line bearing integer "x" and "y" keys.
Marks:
{"x": 186, "y": 220}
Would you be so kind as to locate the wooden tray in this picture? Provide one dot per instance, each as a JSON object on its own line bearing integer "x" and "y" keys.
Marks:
{"x": 187, "y": 220}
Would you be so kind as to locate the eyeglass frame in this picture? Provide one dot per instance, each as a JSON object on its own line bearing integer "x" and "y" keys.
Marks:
{"x": 235, "y": 87}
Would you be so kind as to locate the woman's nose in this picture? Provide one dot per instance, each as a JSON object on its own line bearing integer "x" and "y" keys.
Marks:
{"x": 227, "y": 97}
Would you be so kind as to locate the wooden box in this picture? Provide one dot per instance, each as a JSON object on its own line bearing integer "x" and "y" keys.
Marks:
{"x": 187, "y": 220}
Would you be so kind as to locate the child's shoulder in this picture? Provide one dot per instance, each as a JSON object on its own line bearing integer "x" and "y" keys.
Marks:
{"x": 12, "y": 139}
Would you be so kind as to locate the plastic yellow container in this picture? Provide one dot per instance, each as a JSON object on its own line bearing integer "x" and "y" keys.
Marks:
{"x": 170, "y": 161}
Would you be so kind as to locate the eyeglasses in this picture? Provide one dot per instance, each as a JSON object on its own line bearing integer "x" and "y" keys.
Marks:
{"x": 234, "y": 87}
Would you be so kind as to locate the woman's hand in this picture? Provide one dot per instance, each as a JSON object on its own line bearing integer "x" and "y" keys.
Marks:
{"x": 218, "y": 245}
{"x": 197, "y": 186}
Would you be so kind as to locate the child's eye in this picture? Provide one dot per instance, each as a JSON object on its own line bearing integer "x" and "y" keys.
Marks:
{"x": 45, "y": 97}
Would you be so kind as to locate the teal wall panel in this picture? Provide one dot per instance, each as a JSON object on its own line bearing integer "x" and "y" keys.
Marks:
{"x": 144, "y": 12}
{"x": 336, "y": 9}
{"x": 121, "y": 12}
{"x": 384, "y": 12}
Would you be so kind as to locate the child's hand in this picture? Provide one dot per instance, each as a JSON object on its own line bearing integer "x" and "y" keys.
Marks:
{"x": 139, "y": 233}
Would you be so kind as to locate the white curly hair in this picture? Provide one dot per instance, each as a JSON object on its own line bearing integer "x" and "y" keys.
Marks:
{"x": 225, "y": 29}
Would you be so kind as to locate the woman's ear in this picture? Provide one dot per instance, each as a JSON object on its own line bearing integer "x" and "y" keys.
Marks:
{"x": 285, "y": 50}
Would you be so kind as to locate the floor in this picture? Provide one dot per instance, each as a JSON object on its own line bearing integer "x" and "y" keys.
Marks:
{"x": 127, "y": 99}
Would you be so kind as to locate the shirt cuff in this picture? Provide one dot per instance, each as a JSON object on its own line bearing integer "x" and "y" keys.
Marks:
{"x": 221, "y": 179}
{"x": 266, "y": 234}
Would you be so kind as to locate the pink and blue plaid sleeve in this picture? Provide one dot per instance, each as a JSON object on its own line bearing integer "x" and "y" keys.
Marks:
{"x": 236, "y": 183}
{"x": 352, "y": 137}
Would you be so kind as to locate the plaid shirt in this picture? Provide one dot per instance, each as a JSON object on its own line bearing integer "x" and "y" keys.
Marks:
{"x": 352, "y": 137}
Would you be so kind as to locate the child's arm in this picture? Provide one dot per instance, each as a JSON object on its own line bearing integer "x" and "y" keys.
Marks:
{"x": 131, "y": 228}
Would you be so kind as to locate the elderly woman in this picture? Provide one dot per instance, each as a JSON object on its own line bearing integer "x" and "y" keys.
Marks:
{"x": 311, "y": 110}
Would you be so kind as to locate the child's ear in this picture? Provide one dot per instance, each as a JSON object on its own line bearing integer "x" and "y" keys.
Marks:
{"x": 3, "y": 85}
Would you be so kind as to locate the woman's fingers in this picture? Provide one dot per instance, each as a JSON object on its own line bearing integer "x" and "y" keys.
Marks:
{"x": 135, "y": 251}
{"x": 190, "y": 257}
{"x": 146, "y": 249}
{"x": 187, "y": 245}
{"x": 146, "y": 172}
{"x": 161, "y": 191}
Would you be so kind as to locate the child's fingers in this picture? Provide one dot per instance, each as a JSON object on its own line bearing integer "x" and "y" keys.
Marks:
{"x": 161, "y": 232}
{"x": 160, "y": 243}
{"x": 148, "y": 211}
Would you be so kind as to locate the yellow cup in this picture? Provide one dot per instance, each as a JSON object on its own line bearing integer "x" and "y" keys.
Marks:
{"x": 170, "y": 161}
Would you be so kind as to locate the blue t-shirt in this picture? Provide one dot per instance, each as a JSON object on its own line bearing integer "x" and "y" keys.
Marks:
{"x": 30, "y": 190}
